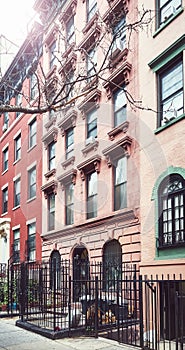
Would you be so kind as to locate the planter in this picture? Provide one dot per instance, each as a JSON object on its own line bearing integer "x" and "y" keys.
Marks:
{"x": 3, "y": 307}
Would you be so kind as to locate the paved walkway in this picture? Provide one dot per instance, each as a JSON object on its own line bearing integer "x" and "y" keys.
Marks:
{"x": 16, "y": 338}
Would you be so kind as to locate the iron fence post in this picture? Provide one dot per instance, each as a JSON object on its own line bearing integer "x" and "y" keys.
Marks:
{"x": 141, "y": 311}
{"x": 54, "y": 294}
{"x": 23, "y": 287}
{"x": 69, "y": 306}
{"x": 96, "y": 307}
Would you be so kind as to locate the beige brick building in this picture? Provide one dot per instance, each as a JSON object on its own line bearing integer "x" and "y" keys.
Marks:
{"x": 161, "y": 77}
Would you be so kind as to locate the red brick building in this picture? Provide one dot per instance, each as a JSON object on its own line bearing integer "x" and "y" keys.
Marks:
{"x": 20, "y": 160}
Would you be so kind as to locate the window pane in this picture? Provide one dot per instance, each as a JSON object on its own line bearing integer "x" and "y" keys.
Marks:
{"x": 172, "y": 102}
{"x": 119, "y": 107}
{"x": 172, "y": 219}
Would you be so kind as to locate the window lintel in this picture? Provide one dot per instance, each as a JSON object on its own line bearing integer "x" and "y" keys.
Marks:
{"x": 68, "y": 121}
{"x": 92, "y": 100}
{"x": 167, "y": 55}
{"x": 49, "y": 187}
{"x": 90, "y": 38}
{"x": 89, "y": 165}
{"x": 119, "y": 77}
{"x": 68, "y": 11}
{"x": 120, "y": 148}
{"x": 68, "y": 177}
{"x": 50, "y": 136}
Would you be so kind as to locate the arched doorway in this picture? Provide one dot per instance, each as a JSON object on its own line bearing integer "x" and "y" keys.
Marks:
{"x": 55, "y": 268}
{"x": 112, "y": 264}
{"x": 80, "y": 272}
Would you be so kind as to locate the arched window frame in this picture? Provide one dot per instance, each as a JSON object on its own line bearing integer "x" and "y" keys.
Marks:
{"x": 168, "y": 252}
{"x": 112, "y": 264}
{"x": 171, "y": 197}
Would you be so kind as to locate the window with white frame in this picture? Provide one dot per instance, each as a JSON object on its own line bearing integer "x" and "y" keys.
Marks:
{"x": 17, "y": 192}
{"x": 51, "y": 155}
{"x": 5, "y": 159}
{"x": 31, "y": 241}
{"x": 69, "y": 136}
{"x": 120, "y": 183}
{"x": 166, "y": 9}
{"x": 32, "y": 183}
{"x": 92, "y": 195}
{"x": 69, "y": 203}
{"x": 17, "y": 148}
{"x": 171, "y": 91}
{"x": 5, "y": 200}
{"x": 51, "y": 211}
{"x": 120, "y": 106}
{"x": 32, "y": 133}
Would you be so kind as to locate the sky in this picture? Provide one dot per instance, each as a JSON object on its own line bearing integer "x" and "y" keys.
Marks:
{"x": 15, "y": 22}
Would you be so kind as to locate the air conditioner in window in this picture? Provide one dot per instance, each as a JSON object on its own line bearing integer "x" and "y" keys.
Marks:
{"x": 5, "y": 127}
{"x": 89, "y": 140}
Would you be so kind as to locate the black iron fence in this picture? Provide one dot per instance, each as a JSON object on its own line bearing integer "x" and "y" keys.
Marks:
{"x": 112, "y": 301}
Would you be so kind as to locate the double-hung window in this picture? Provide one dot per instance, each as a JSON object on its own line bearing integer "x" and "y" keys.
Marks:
{"x": 120, "y": 184}
{"x": 119, "y": 35}
{"x": 91, "y": 9}
{"x": 52, "y": 55}
{"x": 166, "y": 9}
{"x": 171, "y": 91}
{"x": 69, "y": 202}
{"x": 33, "y": 86}
{"x": 16, "y": 245}
{"x": 69, "y": 142}
{"x": 18, "y": 101}
{"x": 92, "y": 124}
{"x": 5, "y": 200}
{"x": 92, "y": 195}
{"x": 32, "y": 241}
{"x": 32, "y": 133}
{"x": 171, "y": 196}
{"x": 5, "y": 159}
{"x": 32, "y": 183}
{"x": 70, "y": 85}
{"x": 17, "y": 192}
{"x": 91, "y": 63}
{"x": 6, "y": 121}
{"x": 51, "y": 211}
{"x": 17, "y": 148}
{"x": 51, "y": 155}
{"x": 70, "y": 32}
{"x": 120, "y": 106}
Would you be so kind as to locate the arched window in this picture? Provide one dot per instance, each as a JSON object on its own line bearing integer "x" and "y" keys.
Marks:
{"x": 171, "y": 196}
{"x": 55, "y": 268}
{"x": 80, "y": 272}
{"x": 112, "y": 264}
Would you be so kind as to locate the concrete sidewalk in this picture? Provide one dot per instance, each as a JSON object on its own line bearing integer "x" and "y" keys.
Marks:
{"x": 13, "y": 337}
